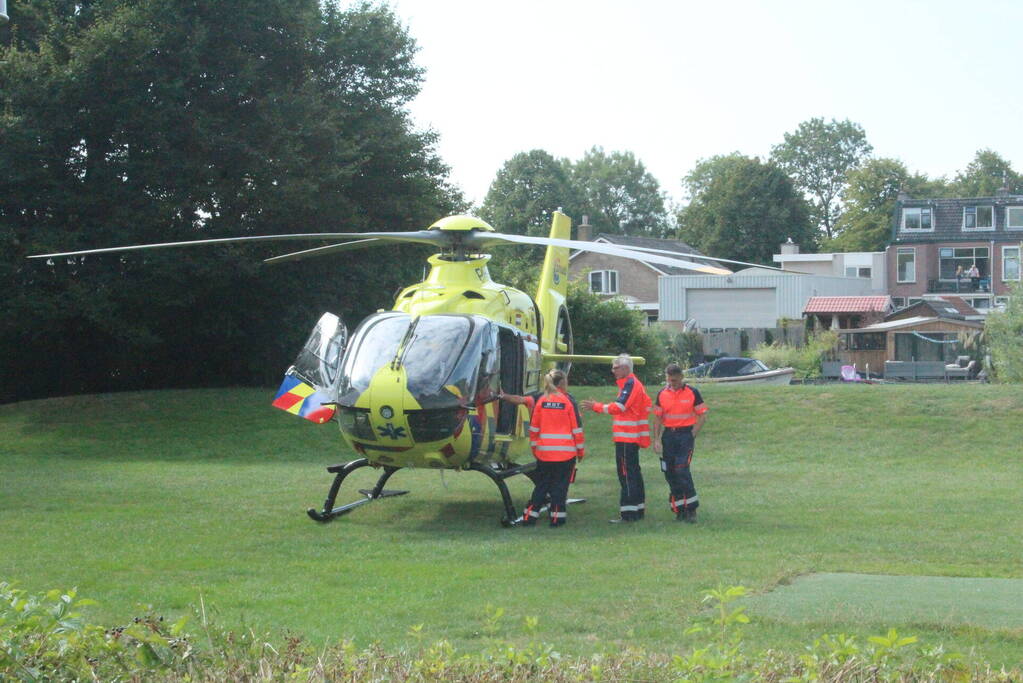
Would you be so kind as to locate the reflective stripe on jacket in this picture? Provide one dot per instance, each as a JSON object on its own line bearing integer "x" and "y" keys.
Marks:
{"x": 631, "y": 411}
{"x": 679, "y": 407}
{"x": 554, "y": 430}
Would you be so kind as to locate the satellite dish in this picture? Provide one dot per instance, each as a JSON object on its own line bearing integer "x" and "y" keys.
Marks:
{"x": 3, "y": 12}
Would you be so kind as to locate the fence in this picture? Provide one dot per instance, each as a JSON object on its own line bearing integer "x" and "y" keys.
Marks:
{"x": 738, "y": 341}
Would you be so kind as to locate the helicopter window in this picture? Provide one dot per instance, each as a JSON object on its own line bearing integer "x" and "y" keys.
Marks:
{"x": 489, "y": 377}
{"x": 441, "y": 358}
{"x": 434, "y": 352}
{"x": 320, "y": 359}
{"x": 375, "y": 345}
{"x": 511, "y": 362}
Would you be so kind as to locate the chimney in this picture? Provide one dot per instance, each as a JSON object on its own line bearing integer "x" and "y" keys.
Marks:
{"x": 584, "y": 231}
{"x": 1003, "y": 191}
{"x": 789, "y": 247}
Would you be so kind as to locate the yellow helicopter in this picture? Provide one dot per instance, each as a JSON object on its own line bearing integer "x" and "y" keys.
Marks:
{"x": 418, "y": 386}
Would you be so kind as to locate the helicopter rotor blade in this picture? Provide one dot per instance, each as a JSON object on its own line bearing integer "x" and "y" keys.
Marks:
{"x": 323, "y": 251}
{"x": 438, "y": 238}
{"x": 420, "y": 236}
{"x": 493, "y": 239}
{"x": 668, "y": 252}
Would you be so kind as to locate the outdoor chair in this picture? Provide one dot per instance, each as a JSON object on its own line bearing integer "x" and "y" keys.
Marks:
{"x": 849, "y": 374}
{"x": 957, "y": 371}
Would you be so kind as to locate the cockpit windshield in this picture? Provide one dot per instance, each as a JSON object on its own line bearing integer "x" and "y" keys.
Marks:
{"x": 440, "y": 354}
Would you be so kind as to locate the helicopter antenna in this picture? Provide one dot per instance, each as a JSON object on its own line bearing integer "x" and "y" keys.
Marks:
{"x": 406, "y": 342}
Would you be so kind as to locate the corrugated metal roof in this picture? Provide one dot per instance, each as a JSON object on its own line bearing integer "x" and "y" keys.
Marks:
{"x": 908, "y": 322}
{"x": 848, "y": 304}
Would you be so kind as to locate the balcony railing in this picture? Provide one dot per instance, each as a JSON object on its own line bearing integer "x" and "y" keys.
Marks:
{"x": 963, "y": 286}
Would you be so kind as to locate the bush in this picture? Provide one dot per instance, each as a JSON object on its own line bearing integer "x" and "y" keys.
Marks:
{"x": 805, "y": 359}
{"x": 45, "y": 638}
{"x": 1004, "y": 333}
{"x": 609, "y": 327}
{"x": 684, "y": 348}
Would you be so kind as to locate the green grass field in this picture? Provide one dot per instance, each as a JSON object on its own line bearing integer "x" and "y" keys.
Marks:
{"x": 164, "y": 498}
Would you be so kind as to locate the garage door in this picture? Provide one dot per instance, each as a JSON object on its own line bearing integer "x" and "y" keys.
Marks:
{"x": 732, "y": 307}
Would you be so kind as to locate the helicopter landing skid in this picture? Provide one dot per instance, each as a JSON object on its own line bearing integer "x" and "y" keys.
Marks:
{"x": 329, "y": 512}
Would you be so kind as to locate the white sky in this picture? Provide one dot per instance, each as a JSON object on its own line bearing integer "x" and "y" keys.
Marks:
{"x": 673, "y": 82}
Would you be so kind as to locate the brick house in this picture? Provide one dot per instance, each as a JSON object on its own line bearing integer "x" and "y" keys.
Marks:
{"x": 934, "y": 239}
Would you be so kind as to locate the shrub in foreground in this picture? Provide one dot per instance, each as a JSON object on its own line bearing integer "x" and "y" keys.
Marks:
{"x": 44, "y": 637}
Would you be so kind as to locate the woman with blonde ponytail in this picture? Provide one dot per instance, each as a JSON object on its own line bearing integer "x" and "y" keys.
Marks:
{"x": 556, "y": 437}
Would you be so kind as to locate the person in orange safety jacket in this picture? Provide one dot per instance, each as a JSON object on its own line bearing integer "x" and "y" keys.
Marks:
{"x": 630, "y": 432}
{"x": 680, "y": 413}
{"x": 556, "y": 437}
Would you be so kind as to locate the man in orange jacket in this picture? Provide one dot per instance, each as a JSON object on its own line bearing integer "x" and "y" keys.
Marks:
{"x": 680, "y": 412}
{"x": 630, "y": 432}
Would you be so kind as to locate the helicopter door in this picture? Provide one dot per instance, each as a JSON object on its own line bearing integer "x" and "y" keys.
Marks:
{"x": 309, "y": 388}
{"x": 512, "y": 372}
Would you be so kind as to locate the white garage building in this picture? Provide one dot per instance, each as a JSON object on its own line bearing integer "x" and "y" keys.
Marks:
{"x": 751, "y": 298}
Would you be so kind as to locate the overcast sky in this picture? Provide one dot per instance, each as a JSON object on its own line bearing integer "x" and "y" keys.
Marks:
{"x": 674, "y": 82}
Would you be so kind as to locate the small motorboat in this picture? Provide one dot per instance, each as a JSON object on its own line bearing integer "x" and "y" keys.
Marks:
{"x": 738, "y": 370}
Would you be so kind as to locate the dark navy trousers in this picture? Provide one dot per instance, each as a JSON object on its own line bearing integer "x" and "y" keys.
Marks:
{"x": 676, "y": 454}
{"x": 632, "y": 500}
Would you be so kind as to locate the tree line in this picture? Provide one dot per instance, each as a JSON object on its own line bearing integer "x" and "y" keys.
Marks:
{"x": 821, "y": 187}
{"x": 125, "y": 123}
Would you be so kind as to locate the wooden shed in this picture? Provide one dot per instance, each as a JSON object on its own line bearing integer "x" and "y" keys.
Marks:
{"x": 916, "y": 338}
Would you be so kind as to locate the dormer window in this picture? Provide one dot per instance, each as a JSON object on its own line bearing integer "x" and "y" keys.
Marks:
{"x": 604, "y": 281}
{"x": 1014, "y": 217}
{"x": 978, "y": 218}
{"x": 917, "y": 219}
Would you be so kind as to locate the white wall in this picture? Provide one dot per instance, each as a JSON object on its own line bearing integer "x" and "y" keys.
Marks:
{"x": 731, "y": 293}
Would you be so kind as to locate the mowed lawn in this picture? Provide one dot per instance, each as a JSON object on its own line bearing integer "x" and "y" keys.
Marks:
{"x": 169, "y": 498}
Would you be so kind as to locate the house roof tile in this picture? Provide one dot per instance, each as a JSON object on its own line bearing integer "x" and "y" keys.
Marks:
{"x": 848, "y": 304}
{"x": 961, "y": 306}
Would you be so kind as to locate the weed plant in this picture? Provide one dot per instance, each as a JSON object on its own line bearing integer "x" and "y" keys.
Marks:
{"x": 46, "y": 637}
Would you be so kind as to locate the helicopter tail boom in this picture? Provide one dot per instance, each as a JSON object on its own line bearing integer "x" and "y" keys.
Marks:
{"x": 552, "y": 290}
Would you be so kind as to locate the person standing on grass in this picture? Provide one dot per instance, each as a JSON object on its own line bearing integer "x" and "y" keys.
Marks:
{"x": 630, "y": 432}
{"x": 556, "y": 437}
{"x": 679, "y": 413}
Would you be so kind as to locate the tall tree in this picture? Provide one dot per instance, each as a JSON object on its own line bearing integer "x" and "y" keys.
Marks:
{"x": 526, "y": 192}
{"x": 818, "y": 155}
{"x": 869, "y": 199}
{"x": 743, "y": 209}
{"x": 620, "y": 196}
{"x": 986, "y": 174}
{"x": 127, "y": 122}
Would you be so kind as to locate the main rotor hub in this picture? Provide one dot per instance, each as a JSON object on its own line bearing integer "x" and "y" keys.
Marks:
{"x": 462, "y": 223}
